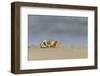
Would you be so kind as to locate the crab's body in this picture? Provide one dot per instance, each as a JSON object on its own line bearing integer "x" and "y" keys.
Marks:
{"x": 49, "y": 44}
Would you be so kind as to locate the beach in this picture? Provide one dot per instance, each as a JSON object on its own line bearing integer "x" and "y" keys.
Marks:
{"x": 57, "y": 53}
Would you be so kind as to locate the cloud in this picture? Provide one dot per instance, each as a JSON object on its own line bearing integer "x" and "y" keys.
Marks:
{"x": 57, "y": 27}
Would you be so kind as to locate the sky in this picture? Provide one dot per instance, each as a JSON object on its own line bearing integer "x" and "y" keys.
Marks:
{"x": 69, "y": 30}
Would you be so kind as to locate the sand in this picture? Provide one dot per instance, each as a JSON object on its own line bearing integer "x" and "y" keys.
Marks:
{"x": 57, "y": 53}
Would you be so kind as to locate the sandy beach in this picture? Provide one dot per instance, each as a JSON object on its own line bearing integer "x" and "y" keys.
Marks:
{"x": 56, "y": 53}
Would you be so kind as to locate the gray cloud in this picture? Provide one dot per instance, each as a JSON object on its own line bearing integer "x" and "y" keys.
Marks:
{"x": 57, "y": 27}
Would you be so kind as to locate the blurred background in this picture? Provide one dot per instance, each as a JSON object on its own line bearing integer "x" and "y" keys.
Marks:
{"x": 69, "y": 31}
